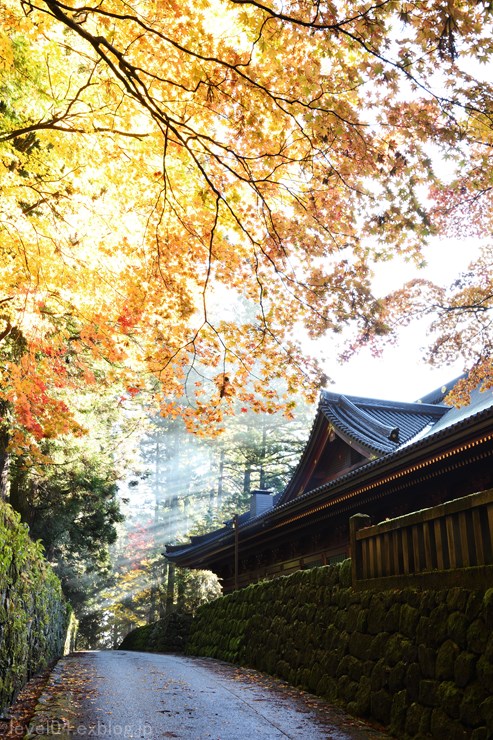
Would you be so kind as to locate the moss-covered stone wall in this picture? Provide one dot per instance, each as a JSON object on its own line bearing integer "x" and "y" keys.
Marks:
{"x": 36, "y": 624}
{"x": 167, "y": 635}
{"x": 419, "y": 662}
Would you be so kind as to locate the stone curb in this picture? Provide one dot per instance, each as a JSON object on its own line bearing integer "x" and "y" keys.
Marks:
{"x": 54, "y": 713}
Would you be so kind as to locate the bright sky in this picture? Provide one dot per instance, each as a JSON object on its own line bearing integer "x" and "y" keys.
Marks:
{"x": 401, "y": 374}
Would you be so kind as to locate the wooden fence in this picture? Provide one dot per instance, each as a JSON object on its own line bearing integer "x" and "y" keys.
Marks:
{"x": 440, "y": 546}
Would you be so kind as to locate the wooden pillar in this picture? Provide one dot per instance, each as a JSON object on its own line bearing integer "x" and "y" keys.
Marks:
{"x": 356, "y": 522}
{"x": 181, "y": 594}
{"x": 162, "y": 597}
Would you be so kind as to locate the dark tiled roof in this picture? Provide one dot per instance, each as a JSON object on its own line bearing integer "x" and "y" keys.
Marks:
{"x": 209, "y": 537}
{"x": 480, "y": 408}
{"x": 478, "y": 401}
{"x": 439, "y": 394}
{"x": 195, "y": 541}
{"x": 374, "y": 424}
{"x": 378, "y": 426}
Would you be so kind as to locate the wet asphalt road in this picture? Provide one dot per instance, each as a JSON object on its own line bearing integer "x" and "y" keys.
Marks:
{"x": 122, "y": 694}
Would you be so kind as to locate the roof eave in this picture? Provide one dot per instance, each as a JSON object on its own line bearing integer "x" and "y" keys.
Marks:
{"x": 372, "y": 473}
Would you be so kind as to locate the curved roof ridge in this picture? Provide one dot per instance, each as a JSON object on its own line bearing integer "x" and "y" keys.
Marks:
{"x": 389, "y": 431}
{"x": 419, "y": 407}
{"x": 378, "y": 426}
{"x": 419, "y": 443}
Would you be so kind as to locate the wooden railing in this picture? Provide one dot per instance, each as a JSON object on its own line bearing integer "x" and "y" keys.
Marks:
{"x": 436, "y": 544}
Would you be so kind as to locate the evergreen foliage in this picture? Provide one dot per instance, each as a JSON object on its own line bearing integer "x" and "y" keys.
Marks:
{"x": 69, "y": 500}
{"x": 188, "y": 485}
{"x": 70, "y": 505}
{"x": 255, "y": 450}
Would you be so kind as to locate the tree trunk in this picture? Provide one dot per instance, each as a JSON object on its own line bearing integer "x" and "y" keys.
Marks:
{"x": 154, "y": 589}
{"x": 181, "y": 594}
{"x": 170, "y": 589}
{"x": 263, "y": 450}
{"x": 4, "y": 466}
{"x": 162, "y": 593}
{"x": 19, "y": 491}
{"x": 220, "y": 479}
{"x": 247, "y": 478}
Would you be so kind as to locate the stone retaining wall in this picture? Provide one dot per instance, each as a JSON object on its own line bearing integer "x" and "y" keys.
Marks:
{"x": 36, "y": 623}
{"x": 167, "y": 635}
{"x": 419, "y": 662}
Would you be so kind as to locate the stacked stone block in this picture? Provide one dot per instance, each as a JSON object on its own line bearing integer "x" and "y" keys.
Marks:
{"x": 34, "y": 616}
{"x": 418, "y": 662}
{"x": 167, "y": 635}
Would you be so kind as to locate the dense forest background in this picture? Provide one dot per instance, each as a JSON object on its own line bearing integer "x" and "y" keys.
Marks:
{"x": 105, "y": 509}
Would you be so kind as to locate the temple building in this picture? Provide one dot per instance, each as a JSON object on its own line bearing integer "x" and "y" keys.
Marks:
{"x": 363, "y": 456}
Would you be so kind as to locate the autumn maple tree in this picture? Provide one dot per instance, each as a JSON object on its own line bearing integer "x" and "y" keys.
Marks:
{"x": 182, "y": 182}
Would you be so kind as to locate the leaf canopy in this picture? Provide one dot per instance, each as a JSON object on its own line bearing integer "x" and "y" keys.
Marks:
{"x": 157, "y": 157}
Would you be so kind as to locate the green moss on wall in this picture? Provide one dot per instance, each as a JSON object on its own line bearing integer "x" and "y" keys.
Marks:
{"x": 34, "y": 616}
{"x": 411, "y": 659}
{"x": 167, "y": 635}
{"x": 137, "y": 639}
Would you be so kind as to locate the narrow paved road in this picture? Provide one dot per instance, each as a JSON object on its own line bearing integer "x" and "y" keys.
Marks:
{"x": 141, "y": 695}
